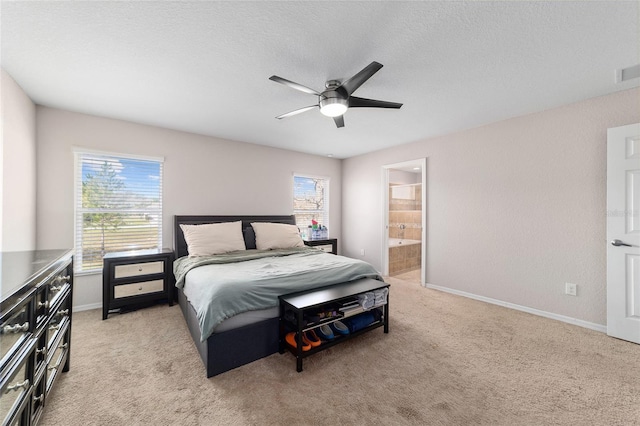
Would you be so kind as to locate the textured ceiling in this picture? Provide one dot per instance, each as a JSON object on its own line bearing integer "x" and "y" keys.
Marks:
{"x": 203, "y": 67}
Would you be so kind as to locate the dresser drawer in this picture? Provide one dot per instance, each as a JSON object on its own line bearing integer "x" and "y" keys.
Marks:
{"x": 14, "y": 391}
{"x": 14, "y": 330}
{"x": 135, "y": 289}
{"x": 58, "y": 357}
{"x": 42, "y": 305}
{"x": 21, "y": 417}
{"x": 138, "y": 269}
{"x": 56, "y": 289}
{"x": 37, "y": 400}
{"x": 40, "y": 359}
{"x": 57, "y": 324}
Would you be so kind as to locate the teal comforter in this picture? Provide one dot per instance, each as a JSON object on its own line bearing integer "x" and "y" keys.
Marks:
{"x": 221, "y": 286}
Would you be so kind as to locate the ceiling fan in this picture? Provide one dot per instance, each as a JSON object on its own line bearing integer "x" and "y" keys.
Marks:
{"x": 336, "y": 98}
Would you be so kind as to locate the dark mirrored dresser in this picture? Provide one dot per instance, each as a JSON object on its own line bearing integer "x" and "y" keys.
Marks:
{"x": 35, "y": 330}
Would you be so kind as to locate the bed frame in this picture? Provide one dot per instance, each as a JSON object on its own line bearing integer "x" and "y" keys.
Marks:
{"x": 230, "y": 349}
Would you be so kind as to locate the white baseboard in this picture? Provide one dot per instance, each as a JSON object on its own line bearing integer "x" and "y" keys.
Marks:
{"x": 87, "y": 307}
{"x": 563, "y": 318}
{"x": 569, "y": 320}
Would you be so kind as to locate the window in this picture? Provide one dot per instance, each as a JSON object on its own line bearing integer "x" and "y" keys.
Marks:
{"x": 118, "y": 201}
{"x": 311, "y": 200}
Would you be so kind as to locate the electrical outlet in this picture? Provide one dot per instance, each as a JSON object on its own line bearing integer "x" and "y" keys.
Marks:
{"x": 361, "y": 252}
{"x": 571, "y": 289}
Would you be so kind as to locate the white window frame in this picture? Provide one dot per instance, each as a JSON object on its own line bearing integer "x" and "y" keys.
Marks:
{"x": 79, "y": 153}
{"x": 325, "y": 211}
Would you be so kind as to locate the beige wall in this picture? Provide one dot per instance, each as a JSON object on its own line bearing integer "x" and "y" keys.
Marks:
{"x": 202, "y": 175}
{"x": 18, "y": 174}
{"x": 514, "y": 209}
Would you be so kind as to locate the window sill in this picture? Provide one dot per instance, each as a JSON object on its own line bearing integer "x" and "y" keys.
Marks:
{"x": 87, "y": 273}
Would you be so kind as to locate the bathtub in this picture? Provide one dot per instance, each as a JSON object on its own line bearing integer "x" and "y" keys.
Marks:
{"x": 396, "y": 242}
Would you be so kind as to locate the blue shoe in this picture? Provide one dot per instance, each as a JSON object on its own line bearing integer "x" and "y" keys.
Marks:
{"x": 339, "y": 327}
{"x": 324, "y": 332}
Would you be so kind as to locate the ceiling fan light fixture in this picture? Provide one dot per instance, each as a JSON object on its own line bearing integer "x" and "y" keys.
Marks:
{"x": 333, "y": 107}
{"x": 337, "y": 98}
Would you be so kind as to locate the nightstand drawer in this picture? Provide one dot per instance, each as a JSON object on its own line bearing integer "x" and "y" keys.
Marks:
{"x": 128, "y": 290}
{"x": 328, "y": 248}
{"x": 137, "y": 269}
{"x": 329, "y": 245}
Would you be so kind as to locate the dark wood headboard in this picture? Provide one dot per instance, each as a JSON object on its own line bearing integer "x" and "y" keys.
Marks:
{"x": 247, "y": 230}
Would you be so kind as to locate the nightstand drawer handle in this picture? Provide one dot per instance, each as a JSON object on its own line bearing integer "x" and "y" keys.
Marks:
{"x": 63, "y": 346}
{"x": 42, "y": 351}
{"x": 17, "y": 386}
{"x": 63, "y": 312}
{"x": 38, "y": 398}
{"x": 55, "y": 327}
{"x": 8, "y": 329}
{"x": 56, "y": 288}
{"x": 43, "y": 304}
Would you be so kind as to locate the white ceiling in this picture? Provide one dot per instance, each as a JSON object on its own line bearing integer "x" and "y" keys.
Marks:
{"x": 203, "y": 67}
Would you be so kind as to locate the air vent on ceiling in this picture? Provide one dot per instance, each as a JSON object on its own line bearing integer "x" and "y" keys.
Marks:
{"x": 629, "y": 73}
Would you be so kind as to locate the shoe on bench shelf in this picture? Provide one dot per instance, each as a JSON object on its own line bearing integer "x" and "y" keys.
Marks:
{"x": 339, "y": 328}
{"x": 324, "y": 332}
{"x": 311, "y": 338}
{"x": 291, "y": 340}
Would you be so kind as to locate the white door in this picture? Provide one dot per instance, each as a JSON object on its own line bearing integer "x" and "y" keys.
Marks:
{"x": 623, "y": 232}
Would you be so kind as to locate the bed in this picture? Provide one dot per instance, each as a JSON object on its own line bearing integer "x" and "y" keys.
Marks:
{"x": 243, "y": 337}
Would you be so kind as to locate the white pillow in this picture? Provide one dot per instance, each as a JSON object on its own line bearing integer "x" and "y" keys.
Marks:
{"x": 213, "y": 238}
{"x": 276, "y": 235}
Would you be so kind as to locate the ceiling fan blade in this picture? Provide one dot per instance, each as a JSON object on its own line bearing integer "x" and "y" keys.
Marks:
{"x": 297, "y": 111}
{"x": 339, "y": 121}
{"x": 357, "y": 80}
{"x": 371, "y": 103}
{"x": 293, "y": 85}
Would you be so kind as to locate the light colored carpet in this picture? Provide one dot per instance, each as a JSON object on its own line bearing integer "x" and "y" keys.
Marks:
{"x": 447, "y": 360}
{"x": 412, "y": 276}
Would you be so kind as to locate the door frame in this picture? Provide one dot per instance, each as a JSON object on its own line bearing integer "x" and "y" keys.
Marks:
{"x": 623, "y": 316}
{"x": 422, "y": 163}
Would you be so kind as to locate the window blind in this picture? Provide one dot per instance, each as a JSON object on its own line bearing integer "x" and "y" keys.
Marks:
{"x": 118, "y": 204}
{"x": 311, "y": 200}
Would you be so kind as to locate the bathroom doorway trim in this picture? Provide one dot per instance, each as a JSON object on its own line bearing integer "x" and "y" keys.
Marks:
{"x": 422, "y": 163}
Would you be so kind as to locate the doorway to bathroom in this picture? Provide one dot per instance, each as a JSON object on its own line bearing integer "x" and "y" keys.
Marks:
{"x": 404, "y": 245}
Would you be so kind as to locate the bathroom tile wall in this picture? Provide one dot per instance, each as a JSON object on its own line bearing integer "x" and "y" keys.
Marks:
{"x": 412, "y": 220}
{"x": 406, "y": 212}
{"x": 405, "y": 223}
{"x": 404, "y": 258}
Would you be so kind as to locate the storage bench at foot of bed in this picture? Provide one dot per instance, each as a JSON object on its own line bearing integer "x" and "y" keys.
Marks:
{"x": 297, "y": 309}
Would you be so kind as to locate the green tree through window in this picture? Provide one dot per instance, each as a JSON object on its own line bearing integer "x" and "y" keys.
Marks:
{"x": 118, "y": 207}
{"x": 98, "y": 192}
